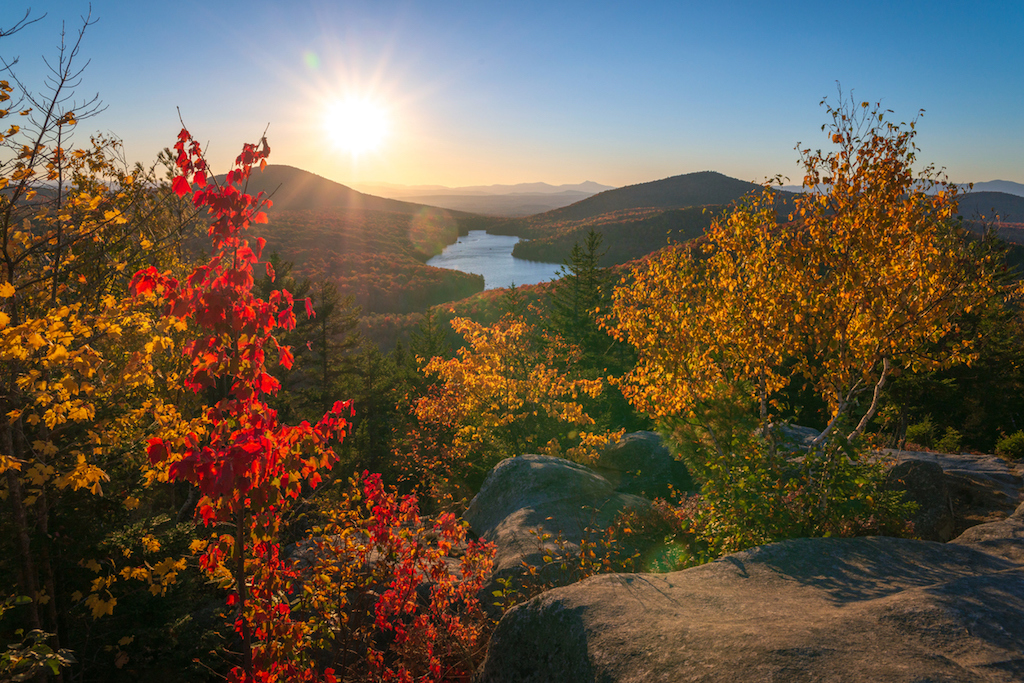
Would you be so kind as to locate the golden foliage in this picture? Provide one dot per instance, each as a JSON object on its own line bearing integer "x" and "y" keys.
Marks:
{"x": 511, "y": 390}
{"x": 869, "y": 275}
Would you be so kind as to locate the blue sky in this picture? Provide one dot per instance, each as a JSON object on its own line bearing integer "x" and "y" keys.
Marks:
{"x": 561, "y": 92}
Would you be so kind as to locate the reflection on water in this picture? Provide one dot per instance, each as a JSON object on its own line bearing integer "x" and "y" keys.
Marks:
{"x": 491, "y": 256}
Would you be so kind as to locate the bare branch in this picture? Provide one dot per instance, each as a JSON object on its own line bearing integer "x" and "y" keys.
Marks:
{"x": 22, "y": 23}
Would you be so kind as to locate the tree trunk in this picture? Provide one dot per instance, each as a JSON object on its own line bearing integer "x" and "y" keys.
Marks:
{"x": 29, "y": 581}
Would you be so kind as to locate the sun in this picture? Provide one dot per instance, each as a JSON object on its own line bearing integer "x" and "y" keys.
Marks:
{"x": 357, "y": 125}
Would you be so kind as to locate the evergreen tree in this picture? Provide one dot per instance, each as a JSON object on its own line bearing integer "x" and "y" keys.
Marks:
{"x": 333, "y": 339}
{"x": 581, "y": 288}
{"x": 431, "y": 338}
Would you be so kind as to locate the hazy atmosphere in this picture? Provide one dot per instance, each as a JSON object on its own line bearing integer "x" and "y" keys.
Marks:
{"x": 481, "y": 93}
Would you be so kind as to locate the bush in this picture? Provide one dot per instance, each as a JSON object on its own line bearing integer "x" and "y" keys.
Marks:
{"x": 1011, "y": 446}
{"x": 754, "y": 494}
{"x": 950, "y": 441}
{"x": 922, "y": 433}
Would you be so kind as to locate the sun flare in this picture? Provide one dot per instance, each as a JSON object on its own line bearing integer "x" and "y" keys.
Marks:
{"x": 357, "y": 125}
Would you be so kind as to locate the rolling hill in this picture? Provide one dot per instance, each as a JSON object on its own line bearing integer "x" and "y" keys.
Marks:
{"x": 371, "y": 247}
{"x": 633, "y": 220}
{"x": 991, "y": 206}
{"x": 678, "y": 192}
{"x": 293, "y": 188}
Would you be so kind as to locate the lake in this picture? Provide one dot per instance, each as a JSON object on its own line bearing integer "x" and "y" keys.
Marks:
{"x": 491, "y": 256}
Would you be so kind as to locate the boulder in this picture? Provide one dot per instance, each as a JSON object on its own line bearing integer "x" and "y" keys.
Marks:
{"x": 795, "y": 435}
{"x": 835, "y": 609}
{"x": 641, "y": 464}
{"x": 982, "y": 488}
{"x": 531, "y": 495}
{"x": 924, "y": 483}
{"x": 1004, "y": 538}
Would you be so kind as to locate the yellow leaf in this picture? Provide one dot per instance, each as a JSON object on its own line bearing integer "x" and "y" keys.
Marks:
{"x": 99, "y": 606}
{"x": 6, "y": 289}
{"x": 35, "y": 341}
{"x": 9, "y": 463}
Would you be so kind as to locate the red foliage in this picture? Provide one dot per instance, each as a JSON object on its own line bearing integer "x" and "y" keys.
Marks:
{"x": 246, "y": 465}
{"x": 426, "y": 623}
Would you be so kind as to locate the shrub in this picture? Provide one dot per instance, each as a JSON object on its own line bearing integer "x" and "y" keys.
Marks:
{"x": 922, "y": 433}
{"x": 950, "y": 441}
{"x": 1011, "y": 446}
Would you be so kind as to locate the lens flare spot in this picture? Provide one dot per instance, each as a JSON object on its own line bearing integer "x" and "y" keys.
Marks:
{"x": 431, "y": 230}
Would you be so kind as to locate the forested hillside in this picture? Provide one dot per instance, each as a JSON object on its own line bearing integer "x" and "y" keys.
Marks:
{"x": 377, "y": 257}
{"x": 691, "y": 189}
{"x": 633, "y": 221}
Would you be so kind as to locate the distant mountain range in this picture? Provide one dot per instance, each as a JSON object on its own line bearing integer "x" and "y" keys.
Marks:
{"x": 523, "y": 199}
{"x": 517, "y": 204}
{"x": 404, "y": 191}
{"x": 634, "y": 220}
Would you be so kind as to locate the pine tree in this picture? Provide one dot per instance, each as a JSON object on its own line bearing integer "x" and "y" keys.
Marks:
{"x": 333, "y": 338}
{"x": 582, "y": 288}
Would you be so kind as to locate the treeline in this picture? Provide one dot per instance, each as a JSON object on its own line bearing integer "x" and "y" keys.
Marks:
{"x": 627, "y": 235}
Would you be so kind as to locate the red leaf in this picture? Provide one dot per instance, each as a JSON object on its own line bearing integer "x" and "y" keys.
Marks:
{"x": 286, "y": 357}
{"x": 157, "y": 450}
{"x": 200, "y": 179}
{"x": 310, "y": 313}
{"x": 180, "y": 186}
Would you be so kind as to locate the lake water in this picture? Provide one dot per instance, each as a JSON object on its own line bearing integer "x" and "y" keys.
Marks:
{"x": 491, "y": 256}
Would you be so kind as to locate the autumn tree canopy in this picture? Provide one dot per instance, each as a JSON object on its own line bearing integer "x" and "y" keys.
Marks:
{"x": 868, "y": 276}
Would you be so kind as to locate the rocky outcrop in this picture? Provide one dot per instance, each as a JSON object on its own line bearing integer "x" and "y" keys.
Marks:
{"x": 526, "y": 497}
{"x": 982, "y": 488}
{"x": 641, "y": 464}
{"x": 1003, "y": 538}
{"x": 860, "y": 609}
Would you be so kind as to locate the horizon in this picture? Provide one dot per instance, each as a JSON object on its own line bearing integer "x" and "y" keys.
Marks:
{"x": 451, "y": 95}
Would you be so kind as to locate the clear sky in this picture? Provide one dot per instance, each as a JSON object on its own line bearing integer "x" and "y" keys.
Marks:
{"x": 484, "y": 92}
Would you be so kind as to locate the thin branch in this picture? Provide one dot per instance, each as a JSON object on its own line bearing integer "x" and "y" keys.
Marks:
{"x": 20, "y": 24}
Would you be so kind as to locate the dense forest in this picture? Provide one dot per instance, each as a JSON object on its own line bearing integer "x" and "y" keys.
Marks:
{"x": 376, "y": 257}
{"x": 208, "y": 474}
